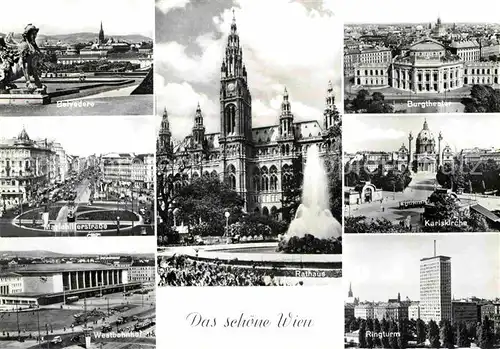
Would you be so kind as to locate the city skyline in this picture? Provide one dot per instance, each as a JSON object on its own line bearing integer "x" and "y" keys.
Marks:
{"x": 87, "y": 136}
{"x": 119, "y": 17}
{"x": 279, "y": 51}
{"x": 427, "y": 11}
{"x": 388, "y": 133}
{"x": 129, "y": 245}
{"x": 380, "y": 266}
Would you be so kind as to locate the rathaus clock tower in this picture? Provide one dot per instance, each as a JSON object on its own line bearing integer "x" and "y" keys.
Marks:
{"x": 235, "y": 115}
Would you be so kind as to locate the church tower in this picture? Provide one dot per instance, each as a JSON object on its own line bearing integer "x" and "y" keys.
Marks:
{"x": 198, "y": 129}
{"x": 101, "y": 35}
{"x": 235, "y": 116}
{"x": 349, "y": 294}
{"x": 286, "y": 118}
{"x": 330, "y": 113}
{"x": 164, "y": 144}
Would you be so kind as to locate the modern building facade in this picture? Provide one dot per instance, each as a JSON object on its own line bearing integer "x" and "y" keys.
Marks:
{"x": 435, "y": 288}
{"x": 364, "y": 311}
{"x": 253, "y": 161}
{"x": 464, "y": 312}
{"x": 50, "y": 283}
{"x": 142, "y": 271}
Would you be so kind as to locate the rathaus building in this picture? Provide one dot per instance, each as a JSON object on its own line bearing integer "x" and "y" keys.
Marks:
{"x": 253, "y": 161}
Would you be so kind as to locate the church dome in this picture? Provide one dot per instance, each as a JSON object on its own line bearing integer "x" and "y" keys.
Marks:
{"x": 425, "y": 134}
{"x": 23, "y": 136}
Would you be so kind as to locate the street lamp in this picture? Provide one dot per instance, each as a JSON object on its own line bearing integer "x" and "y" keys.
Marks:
{"x": 64, "y": 294}
{"x": 118, "y": 224}
{"x": 227, "y": 214}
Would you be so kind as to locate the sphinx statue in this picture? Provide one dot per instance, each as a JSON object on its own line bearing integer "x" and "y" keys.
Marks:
{"x": 20, "y": 59}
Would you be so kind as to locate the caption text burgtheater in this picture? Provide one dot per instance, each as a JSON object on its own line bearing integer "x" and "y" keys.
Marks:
{"x": 243, "y": 320}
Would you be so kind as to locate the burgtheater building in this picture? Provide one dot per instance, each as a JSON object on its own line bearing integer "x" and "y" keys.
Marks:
{"x": 41, "y": 284}
{"x": 254, "y": 161}
{"x": 428, "y": 66}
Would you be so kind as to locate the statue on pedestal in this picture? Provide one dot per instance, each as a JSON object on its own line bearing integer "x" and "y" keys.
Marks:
{"x": 20, "y": 59}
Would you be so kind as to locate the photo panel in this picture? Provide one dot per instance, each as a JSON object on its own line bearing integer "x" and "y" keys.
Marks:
{"x": 96, "y": 58}
{"x": 75, "y": 292}
{"x": 249, "y": 143}
{"x": 436, "y": 58}
{"x": 422, "y": 291}
{"x": 79, "y": 176}
{"x": 412, "y": 173}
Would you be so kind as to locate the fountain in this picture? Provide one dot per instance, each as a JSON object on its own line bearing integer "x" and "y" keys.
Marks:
{"x": 313, "y": 216}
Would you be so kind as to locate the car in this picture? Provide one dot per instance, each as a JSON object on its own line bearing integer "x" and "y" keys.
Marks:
{"x": 106, "y": 329}
{"x": 56, "y": 340}
{"x": 93, "y": 234}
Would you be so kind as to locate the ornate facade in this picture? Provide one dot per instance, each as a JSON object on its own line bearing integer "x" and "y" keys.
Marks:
{"x": 253, "y": 161}
{"x": 26, "y": 164}
{"x": 430, "y": 67}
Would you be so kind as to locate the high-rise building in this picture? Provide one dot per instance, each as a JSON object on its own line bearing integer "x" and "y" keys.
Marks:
{"x": 435, "y": 288}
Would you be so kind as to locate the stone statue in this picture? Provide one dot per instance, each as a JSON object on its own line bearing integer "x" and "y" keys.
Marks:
{"x": 18, "y": 59}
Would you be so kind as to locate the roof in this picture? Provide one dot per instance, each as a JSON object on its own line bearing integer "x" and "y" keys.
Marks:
{"x": 63, "y": 267}
{"x": 439, "y": 257}
{"x": 427, "y": 45}
{"x": 464, "y": 44}
{"x": 4, "y": 274}
{"x": 486, "y": 213}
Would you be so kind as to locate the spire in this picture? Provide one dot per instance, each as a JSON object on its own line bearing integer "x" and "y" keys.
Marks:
{"x": 233, "y": 24}
{"x": 426, "y": 127}
{"x": 349, "y": 294}
{"x": 198, "y": 118}
{"x": 285, "y": 105}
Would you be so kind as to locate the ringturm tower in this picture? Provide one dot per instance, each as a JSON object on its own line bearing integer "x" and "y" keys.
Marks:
{"x": 236, "y": 116}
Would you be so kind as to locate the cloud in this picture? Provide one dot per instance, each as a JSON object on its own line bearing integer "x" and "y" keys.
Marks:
{"x": 167, "y": 5}
{"x": 180, "y": 100}
{"x": 284, "y": 44}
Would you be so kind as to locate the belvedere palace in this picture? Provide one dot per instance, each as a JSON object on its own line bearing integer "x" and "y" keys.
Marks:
{"x": 432, "y": 64}
{"x": 253, "y": 161}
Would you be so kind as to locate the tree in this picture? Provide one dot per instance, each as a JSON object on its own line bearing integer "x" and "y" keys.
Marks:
{"x": 393, "y": 340}
{"x": 462, "y": 336}
{"x": 421, "y": 331}
{"x": 377, "y": 329}
{"x": 292, "y": 188}
{"x": 369, "y": 328}
{"x": 483, "y": 99}
{"x": 446, "y": 334}
{"x": 433, "y": 334}
{"x": 385, "y": 328}
{"x": 485, "y": 336}
{"x": 403, "y": 334}
{"x": 362, "y": 334}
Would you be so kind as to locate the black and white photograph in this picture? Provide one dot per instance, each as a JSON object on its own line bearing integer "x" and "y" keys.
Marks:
{"x": 69, "y": 57}
{"x": 436, "y": 58}
{"x": 60, "y": 293}
{"x": 79, "y": 176}
{"x": 249, "y": 143}
{"x": 421, "y": 174}
{"x": 422, "y": 291}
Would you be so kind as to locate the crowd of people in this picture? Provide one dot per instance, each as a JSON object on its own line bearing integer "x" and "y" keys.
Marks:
{"x": 181, "y": 270}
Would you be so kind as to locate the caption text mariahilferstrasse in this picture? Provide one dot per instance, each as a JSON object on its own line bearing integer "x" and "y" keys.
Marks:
{"x": 242, "y": 320}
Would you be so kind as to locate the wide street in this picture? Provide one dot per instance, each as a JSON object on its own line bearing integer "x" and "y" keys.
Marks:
{"x": 30, "y": 224}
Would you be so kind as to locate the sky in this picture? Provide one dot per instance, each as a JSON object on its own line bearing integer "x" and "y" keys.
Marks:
{"x": 84, "y": 136}
{"x": 296, "y": 44}
{"x": 423, "y": 11}
{"x": 380, "y": 266}
{"x": 119, "y": 17}
{"x": 388, "y": 133}
{"x": 82, "y": 245}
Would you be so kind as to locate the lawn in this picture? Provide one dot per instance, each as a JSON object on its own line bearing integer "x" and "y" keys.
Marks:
{"x": 28, "y": 321}
{"x": 107, "y": 216}
{"x": 36, "y": 213}
{"x": 87, "y": 209}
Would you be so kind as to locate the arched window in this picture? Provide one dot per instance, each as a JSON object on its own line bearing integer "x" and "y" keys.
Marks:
{"x": 265, "y": 211}
{"x": 206, "y": 174}
{"x": 273, "y": 178}
{"x": 195, "y": 176}
{"x": 231, "y": 177}
{"x": 264, "y": 179}
{"x": 274, "y": 212}
{"x": 256, "y": 179}
{"x": 230, "y": 119}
